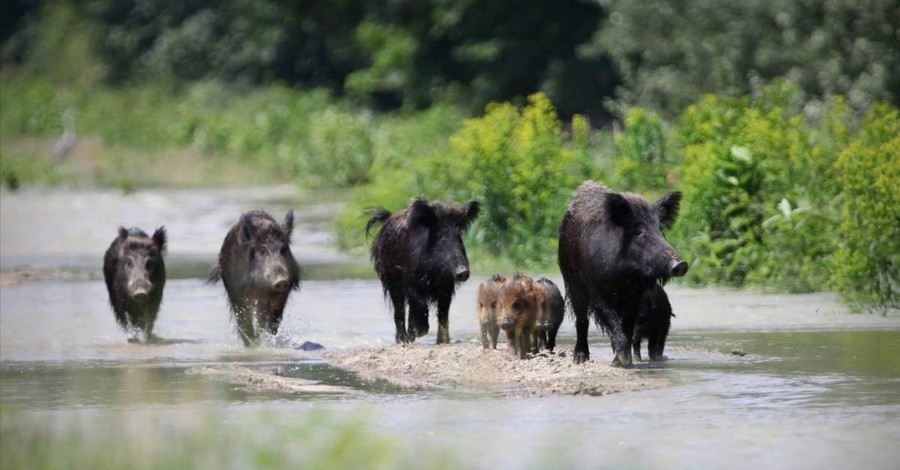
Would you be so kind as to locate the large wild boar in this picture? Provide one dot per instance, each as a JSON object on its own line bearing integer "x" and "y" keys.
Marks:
{"x": 518, "y": 303}
{"x": 611, "y": 252}
{"x": 653, "y": 322}
{"x": 486, "y": 310}
{"x": 420, "y": 259}
{"x": 135, "y": 276}
{"x": 550, "y": 315}
{"x": 259, "y": 272}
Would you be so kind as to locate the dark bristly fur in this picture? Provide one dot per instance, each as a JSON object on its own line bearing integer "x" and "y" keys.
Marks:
{"x": 611, "y": 252}
{"x": 551, "y": 317}
{"x": 420, "y": 259}
{"x": 259, "y": 272}
{"x": 135, "y": 276}
{"x": 653, "y": 322}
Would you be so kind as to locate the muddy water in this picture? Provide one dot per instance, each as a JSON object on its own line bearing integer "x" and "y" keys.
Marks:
{"x": 809, "y": 385}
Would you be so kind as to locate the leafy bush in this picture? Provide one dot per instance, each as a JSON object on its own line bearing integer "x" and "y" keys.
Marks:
{"x": 518, "y": 164}
{"x": 757, "y": 208}
{"x": 867, "y": 265}
{"x": 643, "y": 161}
{"x": 339, "y": 150}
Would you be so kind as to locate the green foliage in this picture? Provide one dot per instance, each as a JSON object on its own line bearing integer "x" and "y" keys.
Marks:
{"x": 755, "y": 210}
{"x": 867, "y": 265}
{"x": 307, "y": 439}
{"x": 302, "y": 136}
{"x": 339, "y": 151}
{"x": 393, "y": 53}
{"x": 17, "y": 170}
{"x": 517, "y": 163}
{"x": 670, "y": 53}
{"x": 643, "y": 161}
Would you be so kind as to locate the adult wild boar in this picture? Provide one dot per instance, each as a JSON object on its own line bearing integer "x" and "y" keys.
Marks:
{"x": 611, "y": 252}
{"x": 259, "y": 272}
{"x": 135, "y": 276}
{"x": 486, "y": 310}
{"x": 518, "y": 303}
{"x": 550, "y": 315}
{"x": 420, "y": 259}
{"x": 653, "y": 322}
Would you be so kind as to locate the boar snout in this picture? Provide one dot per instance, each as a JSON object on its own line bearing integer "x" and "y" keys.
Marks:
{"x": 461, "y": 274}
{"x": 678, "y": 268}
{"x": 506, "y": 324}
{"x": 281, "y": 285}
{"x": 140, "y": 296}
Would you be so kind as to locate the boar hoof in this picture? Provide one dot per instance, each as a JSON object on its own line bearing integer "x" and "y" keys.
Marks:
{"x": 623, "y": 359}
{"x": 581, "y": 357}
{"x": 401, "y": 337}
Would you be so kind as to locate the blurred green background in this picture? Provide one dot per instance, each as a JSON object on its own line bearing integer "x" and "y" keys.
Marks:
{"x": 777, "y": 119}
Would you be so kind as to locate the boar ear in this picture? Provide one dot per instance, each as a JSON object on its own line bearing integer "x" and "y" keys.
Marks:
{"x": 667, "y": 208}
{"x": 288, "y": 225}
{"x": 421, "y": 213}
{"x": 619, "y": 209}
{"x": 160, "y": 238}
{"x": 123, "y": 233}
{"x": 470, "y": 212}
{"x": 246, "y": 234}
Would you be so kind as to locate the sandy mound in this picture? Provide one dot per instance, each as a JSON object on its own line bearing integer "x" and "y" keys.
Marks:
{"x": 467, "y": 366}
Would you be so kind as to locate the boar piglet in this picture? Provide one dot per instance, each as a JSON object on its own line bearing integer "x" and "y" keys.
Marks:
{"x": 486, "y": 310}
{"x": 550, "y": 314}
{"x": 653, "y": 322}
{"x": 611, "y": 252}
{"x": 420, "y": 259}
{"x": 259, "y": 272}
{"x": 517, "y": 309}
{"x": 135, "y": 276}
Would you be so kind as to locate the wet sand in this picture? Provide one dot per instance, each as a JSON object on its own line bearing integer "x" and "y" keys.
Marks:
{"x": 466, "y": 366}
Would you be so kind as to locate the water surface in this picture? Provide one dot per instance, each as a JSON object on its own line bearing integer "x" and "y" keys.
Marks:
{"x": 755, "y": 380}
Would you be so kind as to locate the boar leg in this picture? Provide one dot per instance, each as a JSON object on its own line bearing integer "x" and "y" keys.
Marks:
{"x": 483, "y": 329}
{"x": 621, "y": 344}
{"x": 580, "y": 309}
{"x": 398, "y": 300}
{"x": 495, "y": 331}
{"x": 418, "y": 319}
{"x": 636, "y": 344}
{"x": 244, "y": 318}
{"x": 656, "y": 345}
{"x": 443, "y": 314}
{"x": 551, "y": 336}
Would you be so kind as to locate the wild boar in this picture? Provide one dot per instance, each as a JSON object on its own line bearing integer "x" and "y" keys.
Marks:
{"x": 611, "y": 252}
{"x": 135, "y": 276}
{"x": 259, "y": 272}
{"x": 420, "y": 258}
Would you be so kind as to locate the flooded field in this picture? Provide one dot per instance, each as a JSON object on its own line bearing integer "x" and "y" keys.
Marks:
{"x": 753, "y": 380}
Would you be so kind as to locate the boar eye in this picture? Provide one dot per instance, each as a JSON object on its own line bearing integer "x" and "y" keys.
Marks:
{"x": 494, "y": 304}
{"x": 129, "y": 263}
{"x": 516, "y": 304}
{"x": 285, "y": 249}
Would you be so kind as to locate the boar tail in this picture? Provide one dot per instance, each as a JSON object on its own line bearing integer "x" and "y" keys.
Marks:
{"x": 377, "y": 215}
{"x": 215, "y": 274}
